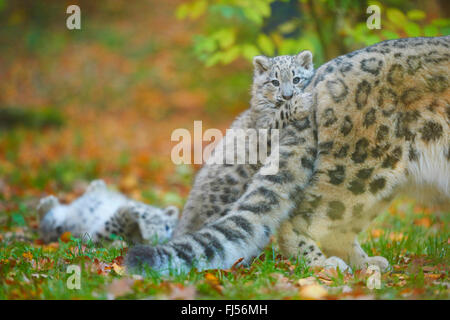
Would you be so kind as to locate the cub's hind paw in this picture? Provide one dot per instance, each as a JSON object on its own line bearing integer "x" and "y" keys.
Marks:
{"x": 46, "y": 204}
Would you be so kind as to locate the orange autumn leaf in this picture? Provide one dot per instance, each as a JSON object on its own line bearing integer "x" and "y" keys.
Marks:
{"x": 397, "y": 236}
{"x": 39, "y": 242}
{"x": 393, "y": 210}
{"x": 53, "y": 246}
{"x": 425, "y": 222}
{"x": 119, "y": 287}
{"x": 27, "y": 255}
{"x": 181, "y": 292}
{"x": 214, "y": 282}
{"x": 211, "y": 279}
{"x": 65, "y": 237}
{"x": 307, "y": 281}
{"x": 313, "y": 291}
{"x": 118, "y": 269}
{"x": 422, "y": 210}
{"x": 433, "y": 276}
{"x": 129, "y": 182}
{"x": 376, "y": 233}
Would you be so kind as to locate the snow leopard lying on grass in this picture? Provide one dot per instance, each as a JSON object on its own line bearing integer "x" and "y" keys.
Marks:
{"x": 100, "y": 212}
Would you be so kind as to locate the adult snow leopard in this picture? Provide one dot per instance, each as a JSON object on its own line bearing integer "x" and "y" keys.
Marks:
{"x": 379, "y": 125}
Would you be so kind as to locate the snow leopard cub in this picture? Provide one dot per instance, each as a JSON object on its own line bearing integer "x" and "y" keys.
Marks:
{"x": 277, "y": 88}
{"x": 100, "y": 212}
{"x": 277, "y": 98}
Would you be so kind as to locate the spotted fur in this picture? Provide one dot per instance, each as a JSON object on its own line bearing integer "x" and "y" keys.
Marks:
{"x": 217, "y": 187}
{"x": 379, "y": 125}
{"x": 100, "y": 212}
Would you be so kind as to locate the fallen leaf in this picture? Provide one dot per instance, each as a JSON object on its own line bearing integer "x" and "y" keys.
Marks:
{"x": 129, "y": 182}
{"x": 180, "y": 292}
{"x": 211, "y": 279}
{"x": 397, "y": 236}
{"x": 282, "y": 283}
{"x": 118, "y": 269}
{"x": 100, "y": 267}
{"x": 327, "y": 275}
{"x": 38, "y": 242}
{"x": 235, "y": 265}
{"x": 424, "y": 222}
{"x": 376, "y": 233}
{"x": 65, "y": 237}
{"x": 307, "y": 281}
{"x": 53, "y": 246}
{"x": 429, "y": 268}
{"x": 313, "y": 291}
{"x": 433, "y": 276}
{"x": 27, "y": 255}
{"x": 119, "y": 287}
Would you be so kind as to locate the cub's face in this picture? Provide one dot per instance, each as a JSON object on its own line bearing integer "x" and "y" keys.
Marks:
{"x": 277, "y": 80}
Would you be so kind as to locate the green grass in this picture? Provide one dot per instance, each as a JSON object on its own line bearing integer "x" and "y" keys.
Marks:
{"x": 418, "y": 254}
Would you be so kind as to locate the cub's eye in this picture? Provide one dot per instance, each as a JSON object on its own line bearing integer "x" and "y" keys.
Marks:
{"x": 296, "y": 80}
{"x": 276, "y": 83}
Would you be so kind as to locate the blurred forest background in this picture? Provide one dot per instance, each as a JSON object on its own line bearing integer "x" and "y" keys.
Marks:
{"x": 102, "y": 101}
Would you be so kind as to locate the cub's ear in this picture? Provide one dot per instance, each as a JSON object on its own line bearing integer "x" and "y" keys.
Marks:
{"x": 305, "y": 59}
{"x": 172, "y": 212}
{"x": 261, "y": 64}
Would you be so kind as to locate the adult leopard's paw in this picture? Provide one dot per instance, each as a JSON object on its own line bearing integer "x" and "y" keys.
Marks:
{"x": 336, "y": 263}
{"x": 381, "y": 262}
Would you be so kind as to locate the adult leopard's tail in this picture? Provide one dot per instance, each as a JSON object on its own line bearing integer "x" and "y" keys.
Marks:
{"x": 217, "y": 246}
{"x": 245, "y": 231}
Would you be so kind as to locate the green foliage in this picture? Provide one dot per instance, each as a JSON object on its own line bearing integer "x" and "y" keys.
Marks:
{"x": 34, "y": 271}
{"x": 245, "y": 28}
{"x": 11, "y": 117}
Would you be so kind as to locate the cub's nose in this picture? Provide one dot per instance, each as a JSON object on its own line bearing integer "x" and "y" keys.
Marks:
{"x": 287, "y": 97}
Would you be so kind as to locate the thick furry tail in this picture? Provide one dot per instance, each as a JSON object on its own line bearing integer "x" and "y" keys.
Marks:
{"x": 218, "y": 245}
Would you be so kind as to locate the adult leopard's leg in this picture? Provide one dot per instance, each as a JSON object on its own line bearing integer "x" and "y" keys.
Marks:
{"x": 360, "y": 260}
{"x": 333, "y": 216}
{"x": 295, "y": 243}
